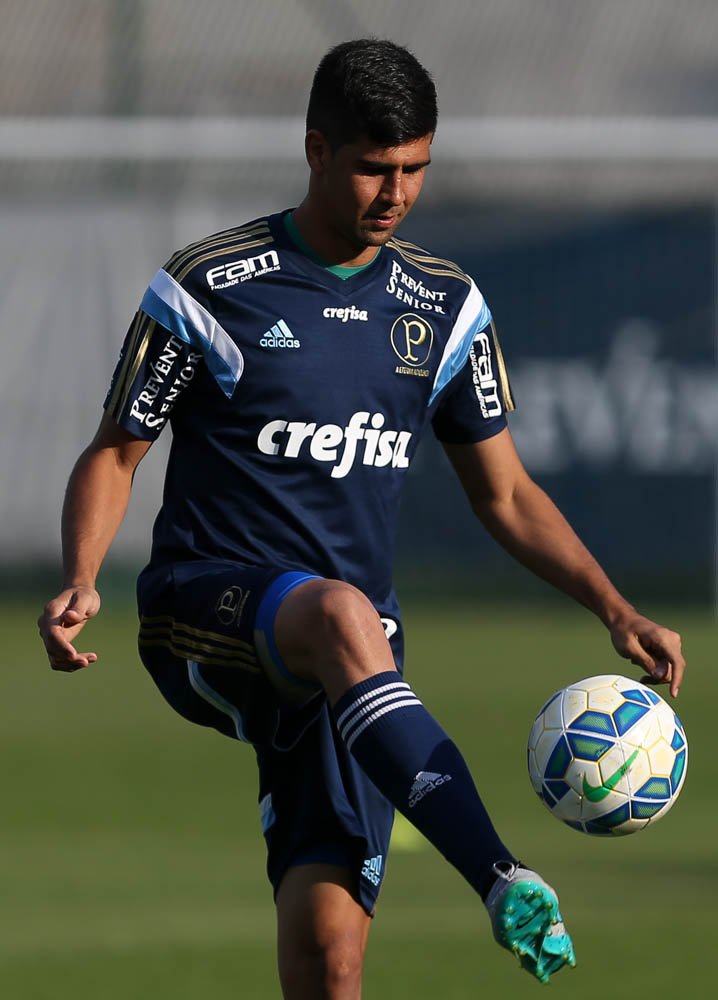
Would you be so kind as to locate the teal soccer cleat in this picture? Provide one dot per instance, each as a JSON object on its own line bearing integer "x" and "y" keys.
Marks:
{"x": 526, "y": 921}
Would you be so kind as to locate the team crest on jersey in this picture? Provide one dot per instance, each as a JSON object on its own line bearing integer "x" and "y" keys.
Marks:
{"x": 412, "y": 339}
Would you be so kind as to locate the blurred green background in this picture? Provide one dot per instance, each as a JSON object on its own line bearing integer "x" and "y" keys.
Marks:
{"x": 132, "y": 862}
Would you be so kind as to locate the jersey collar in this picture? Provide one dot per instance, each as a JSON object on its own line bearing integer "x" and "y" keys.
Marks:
{"x": 336, "y": 277}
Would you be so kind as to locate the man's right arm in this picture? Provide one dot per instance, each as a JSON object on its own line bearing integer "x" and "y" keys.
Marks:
{"x": 95, "y": 503}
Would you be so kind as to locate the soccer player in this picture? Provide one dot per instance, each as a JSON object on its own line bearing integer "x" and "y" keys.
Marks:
{"x": 298, "y": 359}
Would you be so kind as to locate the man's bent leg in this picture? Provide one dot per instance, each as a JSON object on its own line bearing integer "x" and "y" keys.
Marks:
{"x": 321, "y": 934}
{"x": 328, "y": 633}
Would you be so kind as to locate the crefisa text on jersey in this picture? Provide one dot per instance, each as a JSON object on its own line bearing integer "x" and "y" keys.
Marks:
{"x": 413, "y": 291}
{"x": 143, "y": 408}
{"x": 233, "y": 273}
{"x": 340, "y": 445}
{"x": 345, "y": 313}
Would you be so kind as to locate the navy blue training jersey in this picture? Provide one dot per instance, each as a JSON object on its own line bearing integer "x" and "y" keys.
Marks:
{"x": 297, "y": 398}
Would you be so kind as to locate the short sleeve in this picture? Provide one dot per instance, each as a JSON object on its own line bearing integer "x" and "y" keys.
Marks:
{"x": 155, "y": 368}
{"x": 473, "y": 406}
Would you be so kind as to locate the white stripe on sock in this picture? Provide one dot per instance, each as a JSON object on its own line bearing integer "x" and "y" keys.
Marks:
{"x": 370, "y": 694}
{"x": 370, "y": 706}
{"x": 376, "y": 715}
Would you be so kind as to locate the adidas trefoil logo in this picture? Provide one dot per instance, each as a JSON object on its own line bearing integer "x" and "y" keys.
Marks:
{"x": 425, "y": 782}
{"x": 372, "y": 869}
{"x": 279, "y": 336}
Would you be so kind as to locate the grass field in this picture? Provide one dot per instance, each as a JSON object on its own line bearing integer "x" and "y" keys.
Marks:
{"x": 132, "y": 864}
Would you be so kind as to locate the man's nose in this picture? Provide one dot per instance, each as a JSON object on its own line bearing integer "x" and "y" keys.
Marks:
{"x": 393, "y": 188}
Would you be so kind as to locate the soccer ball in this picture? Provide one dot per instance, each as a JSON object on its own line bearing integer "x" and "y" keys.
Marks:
{"x": 607, "y": 755}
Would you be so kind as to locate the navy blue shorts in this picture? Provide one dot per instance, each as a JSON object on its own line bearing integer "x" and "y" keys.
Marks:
{"x": 207, "y": 639}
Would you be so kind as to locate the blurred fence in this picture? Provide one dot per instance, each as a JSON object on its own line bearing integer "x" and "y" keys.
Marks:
{"x": 574, "y": 176}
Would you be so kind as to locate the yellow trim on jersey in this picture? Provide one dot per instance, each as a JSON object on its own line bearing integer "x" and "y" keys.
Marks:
{"x": 443, "y": 268}
{"x": 219, "y": 253}
{"x": 428, "y": 262}
{"x": 226, "y": 236}
{"x": 215, "y": 242}
{"x": 192, "y": 651}
{"x": 420, "y": 253}
{"x": 134, "y": 335}
{"x": 508, "y": 398}
{"x": 167, "y": 621}
{"x": 134, "y": 357}
{"x": 218, "y": 651}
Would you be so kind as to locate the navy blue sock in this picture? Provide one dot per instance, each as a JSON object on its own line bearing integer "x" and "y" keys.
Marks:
{"x": 414, "y": 763}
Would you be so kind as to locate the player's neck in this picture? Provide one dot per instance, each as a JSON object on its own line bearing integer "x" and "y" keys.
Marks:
{"x": 327, "y": 242}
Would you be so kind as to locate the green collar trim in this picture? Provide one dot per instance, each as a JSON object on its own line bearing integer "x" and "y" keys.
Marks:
{"x": 338, "y": 269}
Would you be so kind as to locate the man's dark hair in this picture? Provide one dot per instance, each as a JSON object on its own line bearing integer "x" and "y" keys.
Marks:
{"x": 371, "y": 88}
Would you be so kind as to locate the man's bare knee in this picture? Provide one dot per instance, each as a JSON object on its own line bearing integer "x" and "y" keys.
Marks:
{"x": 328, "y": 631}
{"x": 322, "y": 934}
{"x": 331, "y": 968}
{"x": 342, "y": 614}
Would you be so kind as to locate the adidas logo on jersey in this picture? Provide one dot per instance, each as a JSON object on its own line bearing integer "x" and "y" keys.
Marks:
{"x": 372, "y": 869}
{"x": 425, "y": 782}
{"x": 339, "y": 445}
{"x": 279, "y": 336}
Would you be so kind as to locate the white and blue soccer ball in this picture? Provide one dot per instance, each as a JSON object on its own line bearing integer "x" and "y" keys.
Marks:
{"x": 607, "y": 755}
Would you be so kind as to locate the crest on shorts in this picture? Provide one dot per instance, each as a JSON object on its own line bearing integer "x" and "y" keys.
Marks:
{"x": 230, "y": 604}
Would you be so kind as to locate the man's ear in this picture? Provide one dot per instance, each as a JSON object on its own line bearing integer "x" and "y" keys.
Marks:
{"x": 317, "y": 151}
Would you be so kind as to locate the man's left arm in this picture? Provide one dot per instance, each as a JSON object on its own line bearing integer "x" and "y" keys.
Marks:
{"x": 526, "y": 522}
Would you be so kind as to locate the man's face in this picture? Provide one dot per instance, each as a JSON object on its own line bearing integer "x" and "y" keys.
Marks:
{"x": 365, "y": 191}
